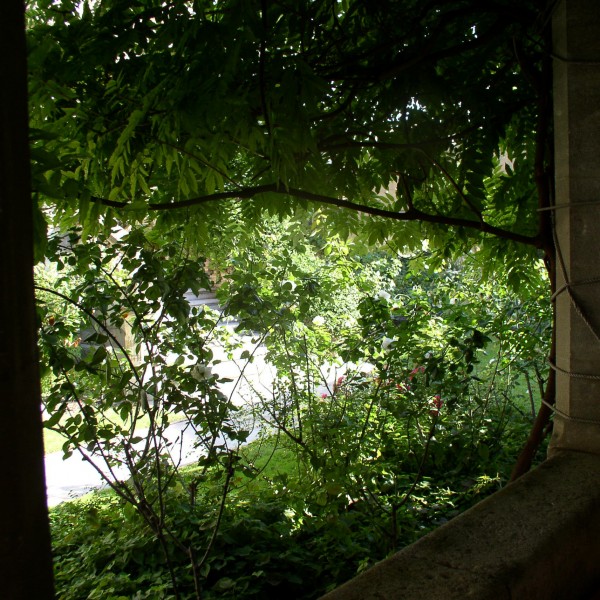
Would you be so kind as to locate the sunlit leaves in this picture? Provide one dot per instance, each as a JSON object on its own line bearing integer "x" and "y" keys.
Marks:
{"x": 151, "y": 105}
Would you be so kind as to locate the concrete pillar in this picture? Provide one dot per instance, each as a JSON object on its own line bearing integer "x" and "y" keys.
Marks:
{"x": 576, "y": 34}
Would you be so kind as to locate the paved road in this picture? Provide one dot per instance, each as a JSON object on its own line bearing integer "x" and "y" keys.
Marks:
{"x": 74, "y": 477}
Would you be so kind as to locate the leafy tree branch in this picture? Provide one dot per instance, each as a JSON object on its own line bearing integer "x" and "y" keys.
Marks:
{"x": 411, "y": 214}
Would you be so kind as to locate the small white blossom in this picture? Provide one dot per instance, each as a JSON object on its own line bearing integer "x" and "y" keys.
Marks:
{"x": 427, "y": 354}
{"x": 386, "y": 342}
{"x": 201, "y": 372}
{"x": 383, "y": 295}
{"x": 366, "y": 368}
{"x": 318, "y": 321}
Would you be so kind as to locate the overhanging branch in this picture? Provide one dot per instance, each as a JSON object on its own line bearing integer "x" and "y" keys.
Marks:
{"x": 412, "y": 214}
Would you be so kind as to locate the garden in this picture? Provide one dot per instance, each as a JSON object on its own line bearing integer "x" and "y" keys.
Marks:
{"x": 405, "y": 387}
{"x": 367, "y": 189}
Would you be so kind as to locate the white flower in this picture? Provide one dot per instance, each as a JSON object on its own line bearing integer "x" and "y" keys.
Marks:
{"x": 366, "y": 368}
{"x": 427, "y": 354}
{"x": 452, "y": 300}
{"x": 201, "y": 372}
{"x": 318, "y": 321}
{"x": 386, "y": 342}
{"x": 383, "y": 295}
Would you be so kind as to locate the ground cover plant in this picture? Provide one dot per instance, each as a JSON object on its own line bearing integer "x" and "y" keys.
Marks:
{"x": 279, "y": 534}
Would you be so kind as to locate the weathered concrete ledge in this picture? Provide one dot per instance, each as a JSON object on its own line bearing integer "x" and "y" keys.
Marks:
{"x": 538, "y": 538}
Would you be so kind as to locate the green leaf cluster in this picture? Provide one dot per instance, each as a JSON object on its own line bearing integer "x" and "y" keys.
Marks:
{"x": 203, "y": 114}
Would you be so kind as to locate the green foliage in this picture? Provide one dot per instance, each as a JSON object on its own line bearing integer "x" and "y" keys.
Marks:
{"x": 400, "y": 399}
{"x": 418, "y": 366}
{"x": 285, "y": 146}
{"x": 122, "y": 353}
{"x": 206, "y": 114}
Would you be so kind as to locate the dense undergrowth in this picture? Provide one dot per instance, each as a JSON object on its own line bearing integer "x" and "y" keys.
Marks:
{"x": 404, "y": 390}
{"x": 288, "y": 529}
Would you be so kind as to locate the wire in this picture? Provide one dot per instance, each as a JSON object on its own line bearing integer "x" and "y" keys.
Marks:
{"x": 567, "y": 288}
{"x": 556, "y": 207}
